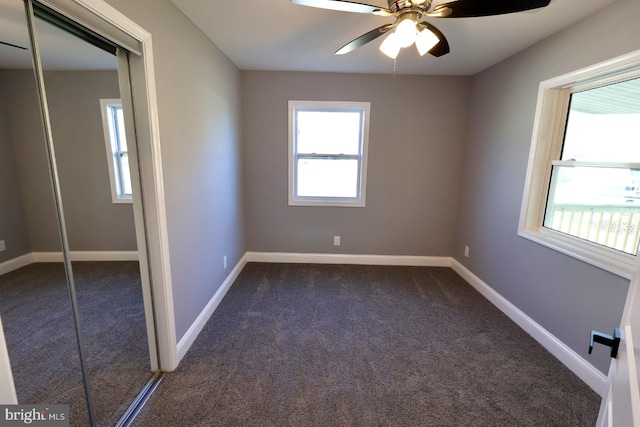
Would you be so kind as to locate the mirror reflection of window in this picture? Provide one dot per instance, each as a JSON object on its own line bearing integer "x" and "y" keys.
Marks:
{"x": 117, "y": 154}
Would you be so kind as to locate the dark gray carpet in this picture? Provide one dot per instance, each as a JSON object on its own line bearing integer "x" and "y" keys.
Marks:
{"x": 340, "y": 345}
{"x": 36, "y": 314}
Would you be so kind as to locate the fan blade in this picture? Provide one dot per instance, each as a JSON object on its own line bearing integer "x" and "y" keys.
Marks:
{"x": 364, "y": 39}
{"x": 473, "y": 8}
{"x": 345, "y": 6}
{"x": 13, "y": 45}
{"x": 442, "y": 48}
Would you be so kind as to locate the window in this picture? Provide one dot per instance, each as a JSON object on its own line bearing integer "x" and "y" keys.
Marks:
{"x": 328, "y": 153}
{"x": 117, "y": 155}
{"x": 582, "y": 195}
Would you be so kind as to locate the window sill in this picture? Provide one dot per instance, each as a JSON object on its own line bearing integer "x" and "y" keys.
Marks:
{"x": 327, "y": 203}
{"x": 611, "y": 260}
{"x": 122, "y": 200}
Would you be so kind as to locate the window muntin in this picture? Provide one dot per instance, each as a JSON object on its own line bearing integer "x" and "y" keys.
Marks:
{"x": 328, "y": 146}
{"x": 566, "y": 168}
{"x": 117, "y": 150}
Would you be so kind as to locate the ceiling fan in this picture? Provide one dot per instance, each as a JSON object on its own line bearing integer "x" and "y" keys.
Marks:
{"x": 409, "y": 28}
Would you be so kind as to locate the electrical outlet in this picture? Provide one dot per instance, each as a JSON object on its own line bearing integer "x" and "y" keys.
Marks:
{"x": 224, "y": 262}
{"x": 466, "y": 251}
{"x": 3, "y": 247}
{"x": 336, "y": 240}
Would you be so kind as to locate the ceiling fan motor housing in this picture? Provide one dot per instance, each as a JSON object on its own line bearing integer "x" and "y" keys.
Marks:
{"x": 396, "y": 6}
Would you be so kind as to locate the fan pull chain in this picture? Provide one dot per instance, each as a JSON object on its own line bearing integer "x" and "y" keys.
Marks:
{"x": 394, "y": 67}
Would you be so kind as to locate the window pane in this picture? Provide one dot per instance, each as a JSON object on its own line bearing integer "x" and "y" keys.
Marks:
{"x": 601, "y": 205}
{"x": 328, "y": 132}
{"x": 603, "y": 124}
{"x": 122, "y": 136}
{"x": 327, "y": 178}
{"x": 125, "y": 175}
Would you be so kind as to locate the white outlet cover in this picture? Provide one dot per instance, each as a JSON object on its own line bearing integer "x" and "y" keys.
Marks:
{"x": 3, "y": 247}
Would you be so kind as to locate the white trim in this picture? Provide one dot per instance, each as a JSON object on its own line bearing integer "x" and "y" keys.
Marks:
{"x": 124, "y": 81}
{"x": 196, "y": 327}
{"x": 572, "y": 360}
{"x": 618, "y": 263}
{"x": 7, "y": 388}
{"x": 158, "y": 248}
{"x": 16, "y": 263}
{"x": 278, "y": 257}
{"x": 605, "y": 416}
{"x": 360, "y": 200}
{"x": 86, "y": 256}
{"x": 312, "y": 258}
{"x": 80, "y": 11}
{"x": 619, "y": 64}
{"x": 111, "y": 148}
{"x": 33, "y": 257}
{"x": 546, "y": 145}
{"x": 633, "y": 371}
{"x": 155, "y": 213}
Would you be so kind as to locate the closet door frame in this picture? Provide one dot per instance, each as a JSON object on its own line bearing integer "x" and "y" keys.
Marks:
{"x": 109, "y": 22}
{"x": 7, "y": 388}
{"x": 102, "y": 18}
{"x": 126, "y": 100}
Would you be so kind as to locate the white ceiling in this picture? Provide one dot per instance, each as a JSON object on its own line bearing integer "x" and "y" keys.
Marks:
{"x": 278, "y": 35}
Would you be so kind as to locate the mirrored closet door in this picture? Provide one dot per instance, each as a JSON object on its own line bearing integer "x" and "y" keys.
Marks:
{"x": 35, "y": 306}
{"x": 77, "y": 314}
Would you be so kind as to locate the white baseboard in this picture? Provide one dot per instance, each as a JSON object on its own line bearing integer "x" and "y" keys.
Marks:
{"x": 406, "y": 260}
{"x": 277, "y": 257}
{"x": 196, "y": 327}
{"x": 583, "y": 369}
{"x": 30, "y": 258}
{"x": 87, "y": 256}
{"x": 16, "y": 263}
{"x": 572, "y": 360}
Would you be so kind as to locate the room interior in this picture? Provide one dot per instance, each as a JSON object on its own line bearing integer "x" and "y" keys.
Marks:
{"x": 448, "y": 171}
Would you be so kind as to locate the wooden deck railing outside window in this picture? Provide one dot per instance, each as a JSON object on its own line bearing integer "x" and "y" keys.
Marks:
{"x": 615, "y": 226}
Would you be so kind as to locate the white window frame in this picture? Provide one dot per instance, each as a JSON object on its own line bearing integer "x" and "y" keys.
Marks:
{"x": 546, "y": 146}
{"x": 360, "y": 200}
{"x": 114, "y": 155}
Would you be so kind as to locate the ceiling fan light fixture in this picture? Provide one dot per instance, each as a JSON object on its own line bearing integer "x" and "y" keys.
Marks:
{"x": 409, "y": 13}
{"x": 425, "y": 41}
{"x": 390, "y": 46}
{"x": 406, "y": 32}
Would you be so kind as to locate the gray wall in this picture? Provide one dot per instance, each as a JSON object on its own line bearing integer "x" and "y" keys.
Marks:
{"x": 564, "y": 295}
{"x": 199, "y": 115}
{"x": 94, "y": 222}
{"x": 415, "y": 149}
{"x": 13, "y": 224}
{"x": 31, "y": 159}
